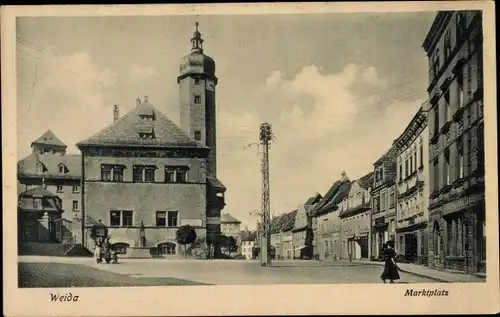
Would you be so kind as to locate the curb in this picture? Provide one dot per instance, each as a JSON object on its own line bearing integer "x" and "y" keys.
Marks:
{"x": 437, "y": 279}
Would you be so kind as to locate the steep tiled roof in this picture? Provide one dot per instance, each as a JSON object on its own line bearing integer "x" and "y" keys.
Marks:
{"x": 313, "y": 199}
{"x": 227, "y": 218}
{"x": 72, "y": 162}
{"x": 326, "y": 199}
{"x": 339, "y": 196}
{"x": 49, "y": 138}
{"x": 37, "y": 192}
{"x": 125, "y": 131}
{"x": 283, "y": 222}
{"x": 366, "y": 181}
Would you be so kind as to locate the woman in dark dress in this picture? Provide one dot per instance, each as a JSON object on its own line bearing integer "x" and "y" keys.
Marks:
{"x": 390, "y": 269}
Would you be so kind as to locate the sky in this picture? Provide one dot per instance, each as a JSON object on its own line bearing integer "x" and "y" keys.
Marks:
{"x": 337, "y": 89}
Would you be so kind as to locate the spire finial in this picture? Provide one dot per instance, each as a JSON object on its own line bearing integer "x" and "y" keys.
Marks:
{"x": 197, "y": 41}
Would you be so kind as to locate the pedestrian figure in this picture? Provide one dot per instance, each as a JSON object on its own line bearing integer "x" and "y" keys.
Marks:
{"x": 97, "y": 251}
{"x": 390, "y": 268}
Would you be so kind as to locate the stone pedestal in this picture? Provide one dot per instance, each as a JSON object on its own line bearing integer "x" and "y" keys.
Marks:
{"x": 137, "y": 253}
{"x": 44, "y": 231}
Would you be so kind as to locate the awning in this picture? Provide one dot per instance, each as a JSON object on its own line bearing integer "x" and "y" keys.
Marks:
{"x": 300, "y": 248}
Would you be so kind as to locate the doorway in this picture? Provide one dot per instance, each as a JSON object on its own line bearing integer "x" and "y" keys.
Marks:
{"x": 411, "y": 247}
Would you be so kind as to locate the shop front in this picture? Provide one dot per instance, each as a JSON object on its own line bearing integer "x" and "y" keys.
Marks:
{"x": 458, "y": 237}
{"x": 412, "y": 243}
{"x": 380, "y": 235}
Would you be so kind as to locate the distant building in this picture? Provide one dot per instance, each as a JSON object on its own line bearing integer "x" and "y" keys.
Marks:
{"x": 49, "y": 166}
{"x": 39, "y": 217}
{"x": 326, "y": 222}
{"x": 383, "y": 216}
{"x": 454, "y": 46}
{"x": 230, "y": 227}
{"x": 413, "y": 190}
{"x": 282, "y": 242}
{"x": 302, "y": 228}
{"x": 354, "y": 212}
{"x": 247, "y": 245}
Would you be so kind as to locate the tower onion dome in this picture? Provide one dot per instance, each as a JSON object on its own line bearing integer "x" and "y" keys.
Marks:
{"x": 196, "y": 62}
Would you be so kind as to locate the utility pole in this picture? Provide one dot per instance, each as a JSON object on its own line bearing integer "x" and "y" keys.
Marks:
{"x": 265, "y": 245}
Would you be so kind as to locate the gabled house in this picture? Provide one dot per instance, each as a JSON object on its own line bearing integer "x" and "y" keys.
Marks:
{"x": 302, "y": 228}
{"x": 354, "y": 213}
{"x": 325, "y": 220}
{"x": 49, "y": 167}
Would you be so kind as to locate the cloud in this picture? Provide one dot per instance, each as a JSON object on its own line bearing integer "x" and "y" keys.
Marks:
{"x": 141, "y": 73}
{"x": 322, "y": 127}
{"x": 67, "y": 98}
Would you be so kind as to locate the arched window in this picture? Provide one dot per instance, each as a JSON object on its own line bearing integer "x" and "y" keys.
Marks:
{"x": 120, "y": 247}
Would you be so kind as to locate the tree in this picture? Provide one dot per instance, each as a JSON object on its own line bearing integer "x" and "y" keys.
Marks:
{"x": 185, "y": 235}
{"x": 229, "y": 244}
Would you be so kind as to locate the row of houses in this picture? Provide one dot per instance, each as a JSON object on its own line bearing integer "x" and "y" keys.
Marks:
{"x": 426, "y": 192}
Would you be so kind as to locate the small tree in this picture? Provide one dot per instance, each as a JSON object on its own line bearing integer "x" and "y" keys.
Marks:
{"x": 229, "y": 244}
{"x": 185, "y": 235}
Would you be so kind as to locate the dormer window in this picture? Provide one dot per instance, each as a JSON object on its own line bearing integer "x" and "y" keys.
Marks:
{"x": 197, "y": 99}
{"x": 62, "y": 168}
{"x": 40, "y": 168}
{"x": 147, "y": 117}
{"x": 146, "y": 136}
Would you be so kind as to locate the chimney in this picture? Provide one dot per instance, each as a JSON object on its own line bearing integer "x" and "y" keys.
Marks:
{"x": 145, "y": 98}
{"x": 116, "y": 114}
{"x": 138, "y": 101}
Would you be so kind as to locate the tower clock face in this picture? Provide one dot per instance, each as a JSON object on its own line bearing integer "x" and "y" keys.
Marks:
{"x": 210, "y": 85}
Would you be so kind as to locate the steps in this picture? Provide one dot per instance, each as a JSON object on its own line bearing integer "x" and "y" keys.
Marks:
{"x": 79, "y": 251}
{"x": 39, "y": 248}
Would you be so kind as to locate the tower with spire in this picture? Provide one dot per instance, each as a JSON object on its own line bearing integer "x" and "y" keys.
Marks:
{"x": 197, "y": 85}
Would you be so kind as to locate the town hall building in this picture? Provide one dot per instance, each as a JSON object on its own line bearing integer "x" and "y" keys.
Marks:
{"x": 144, "y": 177}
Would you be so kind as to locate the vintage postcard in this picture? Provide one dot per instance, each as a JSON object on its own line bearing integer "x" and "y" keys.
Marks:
{"x": 244, "y": 159}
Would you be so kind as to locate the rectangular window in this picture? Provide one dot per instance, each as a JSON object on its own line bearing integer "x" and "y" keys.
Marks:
{"x": 197, "y": 135}
{"x": 421, "y": 156}
{"x": 60, "y": 188}
{"x": 436, "y": 174}
{"x": 161, "y": 218}
{"x": 169, "y": 175}
{"x": 114, "y": 218}
{"x": 106, "y": 173}
{"x": 383, "y": 201}
{"x": 447, "y": 168}
{"x": 196, "y": 81}
{"x": 181, "y": 176}
{"x": 436, "y": 120}
{"x": 37, "y": 203}
{"x": 460, "y": 81}
{"x": 447, "y": 106}
{"x": 411, "y": 163}
{"x": 415, "y": 160}
{"x": 149, "y": 175}
{"x": 76, "y": 189}
{"x": 172, "y": 218}
{"x": 447, "y": 45}
{"x": 197, "y": 99}
{"x": 400, "y": 172}
{"x": 138, "y": 173}
{"x": 392, "y": 200}
{"x": 127, "y": 218}
{"x": 75, "y": 205}
{"x": 118, "y": 174}
{"x": 460, "y": 165}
